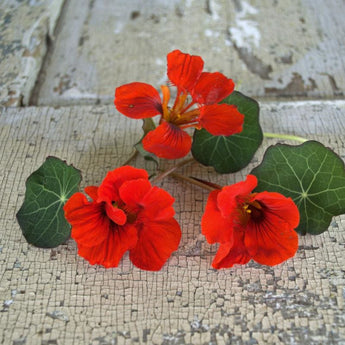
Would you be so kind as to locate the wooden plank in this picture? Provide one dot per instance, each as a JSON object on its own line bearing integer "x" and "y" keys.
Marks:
{"x": 25, "y": 27}
{"x": 270, "y": 48}
{"x": 55, "y": 297}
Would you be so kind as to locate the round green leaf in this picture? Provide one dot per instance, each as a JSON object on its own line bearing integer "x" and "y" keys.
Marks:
{"x": 232, "y": 153}
{"x": 312, "y": 175}
{"x": 41, "y": 216}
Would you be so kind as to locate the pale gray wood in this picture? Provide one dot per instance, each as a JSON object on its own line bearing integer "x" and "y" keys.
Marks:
{"x": 24, "y": 30}
{"x": 55, "y": 297}
{"x": 270, "y": 48}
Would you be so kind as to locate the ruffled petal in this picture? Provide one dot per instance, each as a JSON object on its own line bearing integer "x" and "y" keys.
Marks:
{"x": 132, "y": 192}
{"x": 281, "y": 206}
{"x": 156, "y": 242}
{"x": 271, "y": 239}
{"x": 184, "y": 70}
{"x": 89, "y": 224}
{"x": 168, "y": 141}
{"x": 211, "y": 88}
{"x": 152, "y": 203}
{"x": 108, "y": 191}
{"x": 109, "y": 252}
{"x": 214, "y": 226}
{"x": 221, "y": 119}
{"x": 231, "y": 253}
{"x": 138, "y": 100}
{"x": 158, "y": 205}
{"x": 230, "y": 196}
{"x": 117, "y": 215}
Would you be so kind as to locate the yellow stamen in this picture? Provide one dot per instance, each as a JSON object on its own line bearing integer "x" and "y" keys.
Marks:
{"x": 188, "y": 117}
{"x": 166, "y": 98}
{"x": 178, "y": 114}
{"x": 181, "y": 102}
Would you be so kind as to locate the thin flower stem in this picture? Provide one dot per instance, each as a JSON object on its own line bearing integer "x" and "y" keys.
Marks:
{"x": 211, "y": 184}
{"x": 192, "y": 181}
{"x": 171, "y": 170}
{"x": 285, "y": 136}
{"x": 132, "y": 156}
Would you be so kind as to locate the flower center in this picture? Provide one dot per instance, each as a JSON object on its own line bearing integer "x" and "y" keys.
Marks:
{"x": 130, "y": 214}
{"x": 251, "y": 210}
{"x": 119, "y": 213}
{"x": 180, "y": 114}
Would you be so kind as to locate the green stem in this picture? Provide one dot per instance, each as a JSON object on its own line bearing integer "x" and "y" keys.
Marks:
{"x": 285, "y": 137}
{"x": 171, "y": 170}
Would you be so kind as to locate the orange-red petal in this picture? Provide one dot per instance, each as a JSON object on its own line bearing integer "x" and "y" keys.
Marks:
{"x": 156, "y": 242}
{"x": 114, "y": 213}
{"x": 168, "y": 141}
{"x": 109, "y": 252}
{"x": 230, "y": 196}
{"x": 211, "y": 88}
{"x": 221, "y": 119}
{"x": 273, "y": 240}
{"x": 151, "y": 203}
{"x": 89, "y": 224}
{"x": 108, "y": 191}
{"x": 138, "y": 100}
{"x": 158, "y": 205}
{"x": 231, "y": 253}
{"x": 215, "y": 227}
{"x": 184, "y": 70}
{"x": 281, "y": 206}
{"x": 133, "y": 191}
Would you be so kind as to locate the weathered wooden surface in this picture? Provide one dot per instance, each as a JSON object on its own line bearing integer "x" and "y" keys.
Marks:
{"x": 55, "y": 297}
{"x": 270, "y": 48}
{"x": 25, "y": 27}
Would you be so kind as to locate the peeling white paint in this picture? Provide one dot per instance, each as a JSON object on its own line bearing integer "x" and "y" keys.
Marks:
{"x": 31, "y": 22}
{"x": 211, "y": 33}
{"x": 7, "y": 303}
{"x": 227, "y": 42}
{"x": 338, "y": 103}
{"x": 118, "y": 27}
{"x": 189, "y": 3}
{"x": 160, "y": 62}
{"x": 214, "y": 7}
{"x": 54, "y": 9}
{"x": 59, "y": 315}
{"x": 75, "y": 93}
{"x": 245, "y": 33}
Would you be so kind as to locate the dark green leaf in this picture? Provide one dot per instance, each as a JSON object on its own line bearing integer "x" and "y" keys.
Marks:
{"x": 312, "y": 175}
{"x": 148, "y": 125}
{"x": 41, "y": 216}
{"x": 232, "y": 153}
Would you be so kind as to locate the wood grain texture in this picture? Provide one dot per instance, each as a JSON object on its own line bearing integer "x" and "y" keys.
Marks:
{"x": 25, "y": 28}
{"x": 269, "y": 48}
{"x": 55, "y": 297}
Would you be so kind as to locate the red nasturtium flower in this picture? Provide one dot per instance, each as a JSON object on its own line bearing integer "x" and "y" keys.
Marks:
{"x": 200, "y": 110}
{"x": 126, "y": 213}
{"x": 258, "y": 226}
